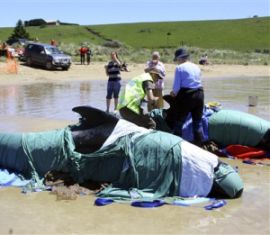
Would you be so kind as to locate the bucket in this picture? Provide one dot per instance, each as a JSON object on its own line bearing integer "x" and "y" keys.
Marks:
{"x": 252, "y": 100}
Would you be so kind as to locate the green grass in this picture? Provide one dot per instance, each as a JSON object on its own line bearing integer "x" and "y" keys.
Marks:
{"x": 225, "y": 41}
{"x": 64, "y": 34}
{"x": 240, "y": 35}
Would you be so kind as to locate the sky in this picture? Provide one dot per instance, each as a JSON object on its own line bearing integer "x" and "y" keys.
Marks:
{"x": 95, "y": 12}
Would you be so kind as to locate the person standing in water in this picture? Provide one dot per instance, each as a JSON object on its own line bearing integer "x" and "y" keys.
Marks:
{"x": 113, "y": 69}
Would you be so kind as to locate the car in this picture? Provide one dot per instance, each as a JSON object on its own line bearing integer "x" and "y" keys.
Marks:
{"x": 46, "y": 55}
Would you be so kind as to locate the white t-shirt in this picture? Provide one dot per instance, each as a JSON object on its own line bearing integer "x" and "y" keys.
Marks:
{"x": 197, "y": 170}
{"x": 123, "y": 128}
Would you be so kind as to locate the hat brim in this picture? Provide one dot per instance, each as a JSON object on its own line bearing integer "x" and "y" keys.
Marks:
{"x": 181, "y": 56}
{"x": 158, "y": 73}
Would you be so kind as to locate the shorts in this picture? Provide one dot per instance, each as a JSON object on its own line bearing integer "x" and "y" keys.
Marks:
{"x": 113, "y": 89}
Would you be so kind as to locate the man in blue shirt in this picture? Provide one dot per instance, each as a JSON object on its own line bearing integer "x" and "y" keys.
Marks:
{"x": 187, "y": 96}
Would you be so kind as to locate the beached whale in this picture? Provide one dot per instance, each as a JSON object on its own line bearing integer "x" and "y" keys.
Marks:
{"x": 223, "y": 126}
{"x": 103, "y": 148}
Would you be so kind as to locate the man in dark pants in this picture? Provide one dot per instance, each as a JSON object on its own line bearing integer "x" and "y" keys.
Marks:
{"x": 187, "y": 96}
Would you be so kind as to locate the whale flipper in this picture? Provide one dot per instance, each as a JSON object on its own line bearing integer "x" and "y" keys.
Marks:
{"x": 94, "y": 128}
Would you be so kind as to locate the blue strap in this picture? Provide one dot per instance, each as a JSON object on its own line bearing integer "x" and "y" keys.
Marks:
{"x": 191, "y": 201}
{"x": 158, "y": 203}
{"x": 9, "y": 183}
{"x": 146, "y": 204}
{"x": 248, "y": 161}
{"x": 215, "y": 204}
{"x": 103, "y": 201}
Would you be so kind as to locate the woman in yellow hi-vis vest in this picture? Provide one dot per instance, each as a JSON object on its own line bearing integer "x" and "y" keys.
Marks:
{"x": 132, "y": 99}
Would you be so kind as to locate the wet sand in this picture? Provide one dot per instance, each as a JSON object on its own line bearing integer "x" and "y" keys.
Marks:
{"x": 41, "y": 213}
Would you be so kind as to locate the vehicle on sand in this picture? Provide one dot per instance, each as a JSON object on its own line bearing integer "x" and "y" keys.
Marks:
{"x": 46, "y": 55}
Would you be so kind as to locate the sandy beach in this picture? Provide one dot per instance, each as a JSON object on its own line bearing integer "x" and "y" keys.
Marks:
{"x": 42, "y": 213}
{"x": 96, "y": 71}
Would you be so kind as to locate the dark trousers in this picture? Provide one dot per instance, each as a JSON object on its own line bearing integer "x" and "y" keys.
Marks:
{"x": 88, "y": 59}
{"x": 82, "y": 58}
{"x": 187, "y": 101}
{"x": 143, "y": 120}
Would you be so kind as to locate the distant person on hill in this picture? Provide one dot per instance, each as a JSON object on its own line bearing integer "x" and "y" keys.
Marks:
{"x": 113, "y": 69}
{"x": 83, "y": 51}
{"x": 203, "y": 60}
{"x": 156, "y": 64}
{"x": 88, "y": 55}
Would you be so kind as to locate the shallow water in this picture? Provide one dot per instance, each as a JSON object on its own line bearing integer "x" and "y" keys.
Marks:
{"x": 233, "y": 93}
{"x": 47, "y": 106}
{"x": 55, "y": 101}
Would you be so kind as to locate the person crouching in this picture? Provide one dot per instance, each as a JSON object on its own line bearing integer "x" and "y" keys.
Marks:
{"x": 133, "y": 105}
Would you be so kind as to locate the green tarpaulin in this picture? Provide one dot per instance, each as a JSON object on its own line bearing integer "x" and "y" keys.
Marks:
{"x": 228, "y": 127}
{"x": 149, "y": 161}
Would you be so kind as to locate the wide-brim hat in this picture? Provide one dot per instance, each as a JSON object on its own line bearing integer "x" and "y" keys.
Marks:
{"x": 158, "y": 72}
{"x": 156, "y": 54}
{"x": 180, "y": 53}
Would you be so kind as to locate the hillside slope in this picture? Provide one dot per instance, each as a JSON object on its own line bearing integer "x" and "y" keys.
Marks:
{"x": 240, "y": 35}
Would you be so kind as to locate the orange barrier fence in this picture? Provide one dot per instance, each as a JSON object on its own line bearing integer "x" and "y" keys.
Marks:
{"x": 11, "y": 65}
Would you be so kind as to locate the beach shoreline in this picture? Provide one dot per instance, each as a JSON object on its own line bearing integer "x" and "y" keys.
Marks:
{"x": 96, "y": 71}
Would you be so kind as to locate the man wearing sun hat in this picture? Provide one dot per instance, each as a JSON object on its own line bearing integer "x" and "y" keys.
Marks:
{"x": 188, "y": 96}
{"x": 133, "y": 96}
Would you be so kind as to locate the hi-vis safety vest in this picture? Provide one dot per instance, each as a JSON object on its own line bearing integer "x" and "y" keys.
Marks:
{"x": 133, "y": 93}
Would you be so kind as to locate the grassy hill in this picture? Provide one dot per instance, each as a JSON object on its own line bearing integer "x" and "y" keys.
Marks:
{"x": 221, "y": 39}
{"x": 239, "y": 35}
